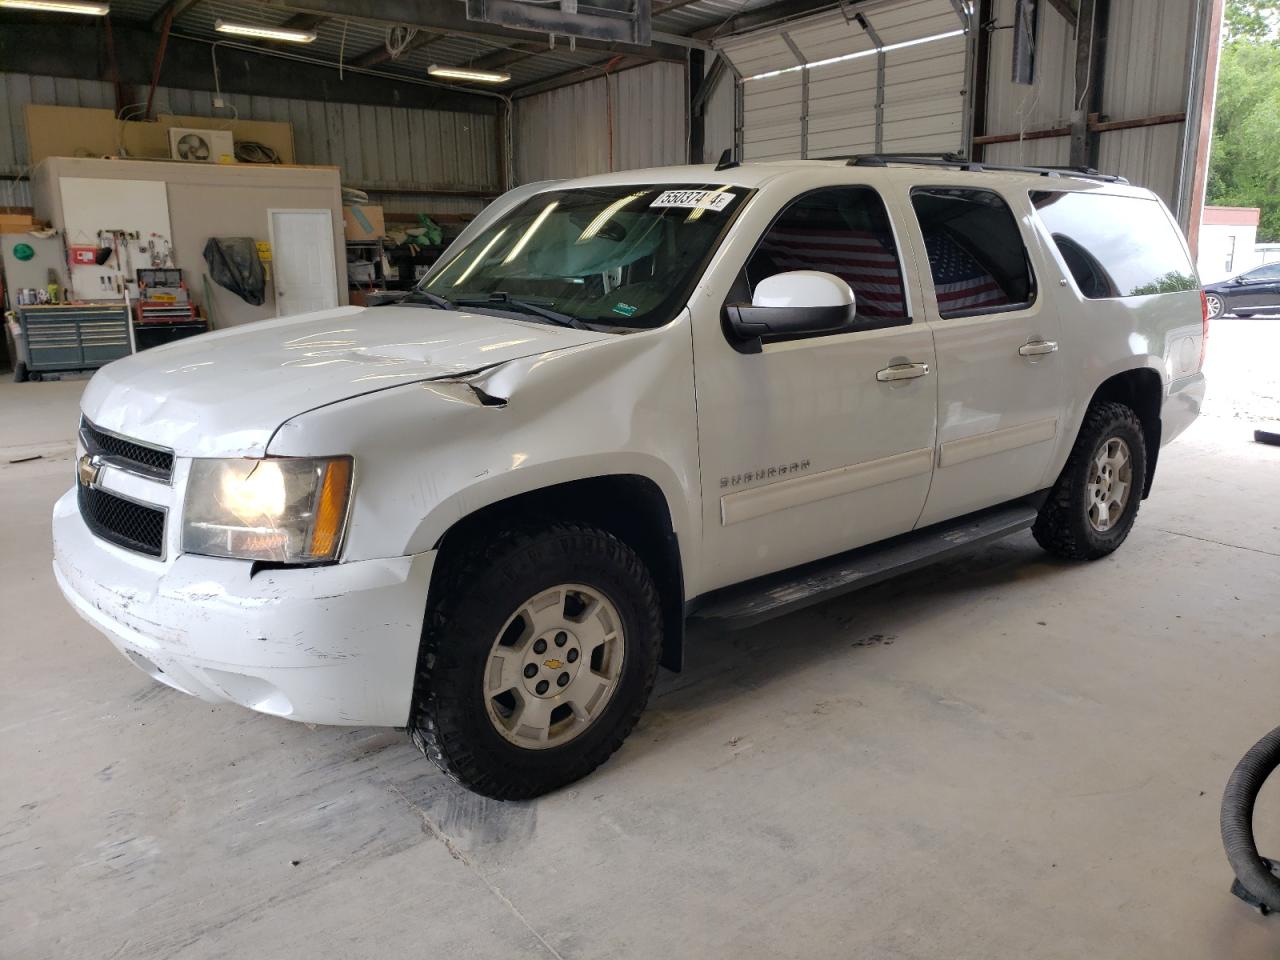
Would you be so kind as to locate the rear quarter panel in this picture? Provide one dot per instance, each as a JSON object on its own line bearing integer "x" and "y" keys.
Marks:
{"x": 1101, "y": 338}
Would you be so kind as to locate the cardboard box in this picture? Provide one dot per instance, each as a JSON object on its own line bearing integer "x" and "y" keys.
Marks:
{"x": 364, "y": 222}
{"x": 16, "y": 223}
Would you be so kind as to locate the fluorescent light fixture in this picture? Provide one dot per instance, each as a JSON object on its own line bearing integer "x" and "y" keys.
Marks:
{"x": 480, "y": 256}
{"x": 58, "y": 6}
{"x": 605, "y": 215}
{"x": 887, "y": 48}
{"x": 533, "y": 228}
{"x": 259, "y": 32}
{"x": 466, "y": 73}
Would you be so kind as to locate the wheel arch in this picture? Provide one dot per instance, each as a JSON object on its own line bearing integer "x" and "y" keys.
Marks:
{"x": 1142, "y": 391}
{"x": 630, "y": 506}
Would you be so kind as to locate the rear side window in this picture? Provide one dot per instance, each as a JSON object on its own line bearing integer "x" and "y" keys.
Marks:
{"x": 976, "y": 254}
{"x": 1116, "y": 246}
{"x": 844, "y": 231}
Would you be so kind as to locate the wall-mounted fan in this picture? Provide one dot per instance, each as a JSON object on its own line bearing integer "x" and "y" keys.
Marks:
{"x": 202, "y": 146}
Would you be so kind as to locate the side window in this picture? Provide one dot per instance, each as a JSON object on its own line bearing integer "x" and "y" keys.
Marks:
{"x": 844, "y": 231}
{"x": 1270, "y": 271}
{"x": 976, "y": 254}
{"x": 1116, "y": 246}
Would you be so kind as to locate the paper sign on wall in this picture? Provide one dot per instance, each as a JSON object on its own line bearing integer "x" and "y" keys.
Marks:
{"x": 84, "y": 256}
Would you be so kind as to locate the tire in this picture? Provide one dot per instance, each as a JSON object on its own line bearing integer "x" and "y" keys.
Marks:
{"x": 1217, "y": 306}
{"x": 1071, "y": 523}
{"x": 20, "y": 372}
{"x": 482, "y": 611}
{"x": 1243, "y": 314}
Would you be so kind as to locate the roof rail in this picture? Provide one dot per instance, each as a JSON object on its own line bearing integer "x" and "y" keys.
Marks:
{"x": 955, "y": 161}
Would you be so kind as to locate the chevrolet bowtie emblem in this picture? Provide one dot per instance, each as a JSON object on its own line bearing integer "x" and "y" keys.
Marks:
{"x": 552, "y": 664}
{"x": 89, "y": 468}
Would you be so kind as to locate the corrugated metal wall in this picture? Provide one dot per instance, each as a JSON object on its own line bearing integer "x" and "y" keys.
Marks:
{"x": 1146, "y": 74}
{"x": 382, "y": 149}
{"x": 924, "y": 85}
{"x": 565, "y": 132}
{"x": 719, "y": 119}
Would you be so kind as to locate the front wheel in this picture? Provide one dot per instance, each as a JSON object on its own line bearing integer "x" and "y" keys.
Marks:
{"x": 1092, "y": 507}
{"x": 538, "y": 654}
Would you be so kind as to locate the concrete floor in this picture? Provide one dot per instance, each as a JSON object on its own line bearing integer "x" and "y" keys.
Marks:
{"x": 1002, "y": 757}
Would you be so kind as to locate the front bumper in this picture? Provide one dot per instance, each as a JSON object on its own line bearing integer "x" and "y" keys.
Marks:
{"x": 332, "y": 644}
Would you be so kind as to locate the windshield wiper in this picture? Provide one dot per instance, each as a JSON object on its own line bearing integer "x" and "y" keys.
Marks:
{"x": 426, "y": 297}
{"x": 500, "y": 300}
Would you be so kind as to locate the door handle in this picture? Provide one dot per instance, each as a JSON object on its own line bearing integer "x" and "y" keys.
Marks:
{"x": 1038, "y": 348}
{"x": 902, "y": 371}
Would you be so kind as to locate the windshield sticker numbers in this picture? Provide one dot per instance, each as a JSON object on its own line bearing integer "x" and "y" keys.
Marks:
{"x": 693, "y": 199}
{"x": 626, "y": 309}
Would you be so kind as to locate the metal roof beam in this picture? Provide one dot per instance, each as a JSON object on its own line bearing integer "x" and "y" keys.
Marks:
{"x": 1069, "y": 9}
{"x": 380, "y": 54}
{"x": 178, "y": 7}
{"x": 767, "y": 16}
{"x": 449, "y": 17}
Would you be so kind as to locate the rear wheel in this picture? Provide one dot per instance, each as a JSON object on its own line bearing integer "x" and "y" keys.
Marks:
{"x": 538, "y": 654}
{"x": 1092, "y": 507}
{"x": 1215, "y": 305}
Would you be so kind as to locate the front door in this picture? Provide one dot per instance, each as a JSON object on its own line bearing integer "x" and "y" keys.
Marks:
{"x": 814, "y": 446}
{"x": 1000, "y": 379}
{"x": 302, "y": 264}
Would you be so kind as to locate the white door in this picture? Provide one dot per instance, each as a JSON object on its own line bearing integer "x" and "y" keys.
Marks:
{"x": 302, "y": 266}
{"x": 1000, "y": 378}
{"x": 811, "y": 447}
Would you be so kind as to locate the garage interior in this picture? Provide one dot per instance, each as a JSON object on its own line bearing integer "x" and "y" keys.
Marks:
{"x": 999, "y": 755}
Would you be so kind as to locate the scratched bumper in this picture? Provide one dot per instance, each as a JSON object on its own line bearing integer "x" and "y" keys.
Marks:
{"x": 1181, "y": 406}
{"x": 335, "y": 644}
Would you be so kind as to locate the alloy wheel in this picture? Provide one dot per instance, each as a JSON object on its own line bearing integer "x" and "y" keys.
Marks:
{"x": 1110, "y": 484}
{"x": 554, "y": 666}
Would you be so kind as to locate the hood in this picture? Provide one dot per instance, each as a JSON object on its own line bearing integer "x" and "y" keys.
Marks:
{"x": 226, "y": 393}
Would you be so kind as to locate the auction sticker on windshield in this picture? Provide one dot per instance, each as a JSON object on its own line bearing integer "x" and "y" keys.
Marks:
{"x": 709, "y": 199}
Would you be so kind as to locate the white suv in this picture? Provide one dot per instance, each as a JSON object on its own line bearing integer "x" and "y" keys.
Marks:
{"x": 486, "y": 513}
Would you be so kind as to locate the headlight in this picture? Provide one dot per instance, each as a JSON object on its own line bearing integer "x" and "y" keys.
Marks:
{"x": 288, "y": 509}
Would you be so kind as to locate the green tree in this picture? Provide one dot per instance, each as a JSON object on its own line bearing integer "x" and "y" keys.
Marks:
{"x": 1244, "y": 169}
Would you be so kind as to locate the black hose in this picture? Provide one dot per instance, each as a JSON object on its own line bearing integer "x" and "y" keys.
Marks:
{"x": 1246, "y": 780}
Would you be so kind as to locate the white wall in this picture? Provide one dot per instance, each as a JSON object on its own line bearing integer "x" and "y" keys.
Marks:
{"x": 1226, "y": 251}
{"x": 566, "y": 132}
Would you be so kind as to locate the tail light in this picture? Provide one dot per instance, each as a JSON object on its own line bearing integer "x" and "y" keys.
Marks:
{"x": 1204, "y": 327}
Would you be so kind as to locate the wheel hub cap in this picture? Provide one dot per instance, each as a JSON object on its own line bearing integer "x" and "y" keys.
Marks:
{"x": 1110, "y": 484}
{"x": 554, "y": 666}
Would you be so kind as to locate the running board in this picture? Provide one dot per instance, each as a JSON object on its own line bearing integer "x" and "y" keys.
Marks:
{"x": 746, "y": 604}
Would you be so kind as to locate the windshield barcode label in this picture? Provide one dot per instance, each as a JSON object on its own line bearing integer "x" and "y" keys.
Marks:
{"x": 691, "y": 199}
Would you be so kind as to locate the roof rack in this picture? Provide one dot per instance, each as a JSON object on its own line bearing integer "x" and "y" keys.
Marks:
{"x": 957, "y": 162}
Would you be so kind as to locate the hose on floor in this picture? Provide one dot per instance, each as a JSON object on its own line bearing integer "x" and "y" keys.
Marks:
{"x": 1253, "y": 872}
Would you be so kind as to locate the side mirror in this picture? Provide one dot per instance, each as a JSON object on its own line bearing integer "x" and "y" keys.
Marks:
{"x": 799, "y": 303}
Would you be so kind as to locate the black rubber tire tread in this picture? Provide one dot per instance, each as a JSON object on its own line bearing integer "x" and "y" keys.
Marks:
{"x": 471, "y": 597}
{"x": 1062, "y": 527}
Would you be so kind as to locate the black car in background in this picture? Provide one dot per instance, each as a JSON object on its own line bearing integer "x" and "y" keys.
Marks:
{"x": 1257, "y": 291}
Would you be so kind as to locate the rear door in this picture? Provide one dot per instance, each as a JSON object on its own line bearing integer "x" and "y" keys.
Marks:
{"x": 1000, "y": 381}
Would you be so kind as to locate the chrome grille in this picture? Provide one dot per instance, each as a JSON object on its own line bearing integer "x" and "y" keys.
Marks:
{"x": 129, "y": 454}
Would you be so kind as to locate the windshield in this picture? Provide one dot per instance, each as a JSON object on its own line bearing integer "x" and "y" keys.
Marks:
{"x": 619, "y": 256}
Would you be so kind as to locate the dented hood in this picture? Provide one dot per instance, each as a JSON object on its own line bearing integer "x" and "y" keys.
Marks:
{"x": 226, "y": 393}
